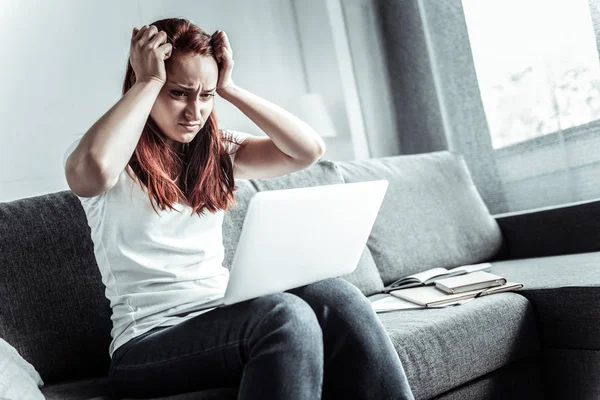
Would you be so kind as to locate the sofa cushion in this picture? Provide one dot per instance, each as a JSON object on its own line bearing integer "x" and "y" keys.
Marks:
{"x": 234, "y": 219}
{"x": 78, "y": 390}
{"x": 54, "y": 311}
{"x": 431, "y": 216}
{"x": 99, "y": 389}
{"x": 444, "y": 348}
{"x": 365, "y": 276}
{"x": 565, "y": 291}
{"x": 18, "y": 378}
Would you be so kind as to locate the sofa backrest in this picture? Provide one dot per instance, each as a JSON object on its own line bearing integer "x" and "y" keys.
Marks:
{"x": 53, "y": 310}
{"x": 432, "y": 215}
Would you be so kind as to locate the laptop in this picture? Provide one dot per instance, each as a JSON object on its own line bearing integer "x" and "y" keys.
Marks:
{"x": 294, "y": 237}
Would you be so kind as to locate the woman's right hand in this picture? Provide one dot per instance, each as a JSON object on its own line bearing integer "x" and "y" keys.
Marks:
{"x": 148, "y": 52}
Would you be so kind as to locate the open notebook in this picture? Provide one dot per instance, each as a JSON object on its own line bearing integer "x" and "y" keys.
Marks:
{"x": 393, "y": 303}
{"x": 431, "y": 275}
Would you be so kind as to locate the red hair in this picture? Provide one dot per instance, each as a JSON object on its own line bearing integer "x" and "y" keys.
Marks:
{"x": 206, "y": 178}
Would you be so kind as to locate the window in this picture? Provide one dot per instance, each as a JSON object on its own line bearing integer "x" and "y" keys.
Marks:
{"x": 537, "y": 66}
{"x": 512, "y": 85}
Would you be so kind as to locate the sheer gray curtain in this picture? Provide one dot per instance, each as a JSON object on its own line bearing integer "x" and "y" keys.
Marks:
{"x": 439, "y": 106}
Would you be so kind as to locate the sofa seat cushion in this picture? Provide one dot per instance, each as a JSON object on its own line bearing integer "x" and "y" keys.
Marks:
{"x": 444, "y": 348}
{"x": 98, "y": 389}
{"x": 80, "y": 389}
{"x": 565, "y": 292}
{"x": 432, "y": 215}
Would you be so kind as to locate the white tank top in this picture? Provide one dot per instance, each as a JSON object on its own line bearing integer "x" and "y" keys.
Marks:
{"x": 155, "y": 267}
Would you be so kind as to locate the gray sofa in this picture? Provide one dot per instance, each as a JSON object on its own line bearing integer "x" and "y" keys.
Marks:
{"x": 540, "y": 342}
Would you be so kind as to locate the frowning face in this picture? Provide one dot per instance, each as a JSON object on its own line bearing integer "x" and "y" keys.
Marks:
{"x": 186, "y": 100}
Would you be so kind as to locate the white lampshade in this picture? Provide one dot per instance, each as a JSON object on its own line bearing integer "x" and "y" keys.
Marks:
{"x": 311, "y": 109}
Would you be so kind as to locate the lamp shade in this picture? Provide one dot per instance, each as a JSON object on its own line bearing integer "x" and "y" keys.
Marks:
{"x": 311, "y": 109}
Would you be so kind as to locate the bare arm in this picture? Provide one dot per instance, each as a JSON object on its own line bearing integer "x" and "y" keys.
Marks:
{"x": 105, "y": 149}
{"x": 289, "y": 134}
{"x": 292, "y": 144}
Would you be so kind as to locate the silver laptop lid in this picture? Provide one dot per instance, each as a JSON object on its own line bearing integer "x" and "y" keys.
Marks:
{"x": 294, "y": 237}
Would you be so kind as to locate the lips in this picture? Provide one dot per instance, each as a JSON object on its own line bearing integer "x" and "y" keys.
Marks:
{"x": 190, "y": 128}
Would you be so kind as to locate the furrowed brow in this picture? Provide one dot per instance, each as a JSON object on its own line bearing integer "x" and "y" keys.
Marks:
{"x": 192, "y": 88}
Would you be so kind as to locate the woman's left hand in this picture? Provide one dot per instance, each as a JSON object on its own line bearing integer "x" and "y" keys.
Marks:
{"x": 224, "y": 57}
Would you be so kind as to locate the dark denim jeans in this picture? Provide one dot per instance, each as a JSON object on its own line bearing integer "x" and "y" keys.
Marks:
{"x": 321, "y": 340}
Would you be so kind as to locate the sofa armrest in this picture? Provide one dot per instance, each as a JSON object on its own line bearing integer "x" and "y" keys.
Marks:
{"x": 550, "y": 231}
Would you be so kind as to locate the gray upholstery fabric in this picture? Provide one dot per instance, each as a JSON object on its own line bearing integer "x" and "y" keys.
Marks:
{"x": 551, "y": 231}
{"x": 53, "y": 311}
{"x": 444, "y": 348}
{"x": 365, "y": 276}
{"x": 521, "y": 380}
{"x": 323, "y": 172}
{"x": 518, "y": 380}
{"x": 46, "y": 259}
{"x": 97, "y": 389}
{"x": 432, "y": 215}
{"x": 565, "y": 291}
{"x": 573, "y": 374}
{"x": 76, "y": 390}
{"x": 234, "y": 219}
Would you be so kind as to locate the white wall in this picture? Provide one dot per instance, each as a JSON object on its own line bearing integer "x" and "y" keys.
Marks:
{"x": 63, "y": 64}
{"x": 327, "y": 56}
{"x": 371, "y": 76}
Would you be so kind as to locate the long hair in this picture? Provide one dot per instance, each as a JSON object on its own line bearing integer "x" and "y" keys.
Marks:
{"x": 204, "y": 168}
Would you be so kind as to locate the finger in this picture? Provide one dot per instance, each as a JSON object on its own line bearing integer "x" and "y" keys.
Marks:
{"x": 166, "y": 49}
{"x": 221, "y": 44}
{"x": 158, "y": 39}
{"x": 221, "y": 53}
{"x": 149, "y": 33}
{"x": 140, "y": 32}
{"x": 227, "y": 56}
{"x": 225, "y": 41}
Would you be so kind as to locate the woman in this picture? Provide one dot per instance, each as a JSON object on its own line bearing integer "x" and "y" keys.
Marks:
{"x": 160, "y": 144}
